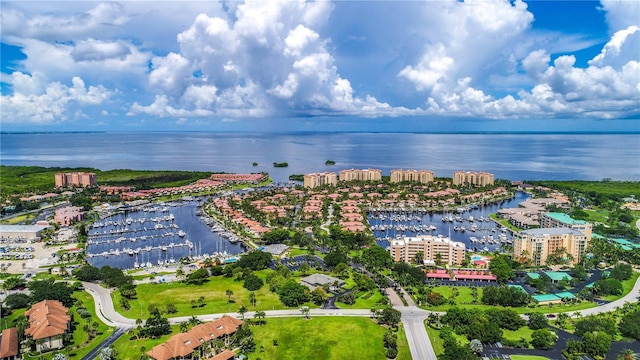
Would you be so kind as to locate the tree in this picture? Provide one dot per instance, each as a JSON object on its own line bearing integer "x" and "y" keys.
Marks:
{"x": 252, "y": 298}
{"x": 171, "y": 308}
{"x": 476, "y": 346}
{"x": 630, "y": 325}
{"x": 418, "y": 259}
{"x": 318, "y": 296}
{"x": 255, "y": 260}
{"x": 87, "y": 273}
{"x": 260, "y": 315}
{"x": 293, "y": 294}
{"x": 333, "y": 258}
{"x": 603, "y": 324}
{"x": 253, "y": 282}
{"x": 621, "y": 272}
{"x": 608, "y": 286}
{"x": 305, "y": 311}
{"x": 501, "y": 269}
{"x": 390, "y": 316}
{"x": 376, "y": 257}
{"x": 228, "y": 292}
{"x": 626, "y": 354}
{"x": 543, "y": 339}
{"x": 107, "y": 353}
{"x": 198, "y": 277}
{"x": 16, "y": 301}
{"x": 156, "y": 325}
{"x": 48, "y": 289}
{"x": 596, "y": 343}
{"x": 537, "y": 321}
{"x": 242, "y": 310}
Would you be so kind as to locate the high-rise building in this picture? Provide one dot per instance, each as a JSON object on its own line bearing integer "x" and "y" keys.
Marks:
{"x": 319, "y": 179}
{"x": 361, "y": 175}
{"x": 450, "y": 252}
{"x": 421, "y": 176}
{"x": 472, "y": 178}
{"x": 537, "y": 244}
{"x": 78, "y": 179}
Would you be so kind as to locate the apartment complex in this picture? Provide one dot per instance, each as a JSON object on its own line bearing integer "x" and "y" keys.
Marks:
{"x": 76, "y": 179}
{"x": 48, "y": 321}
{"x": 68, "y": 215}
{"x": 405, "y": 249}
{"x": 361, "y": 175}
{"x": 472, "y": 178}
{"x": 557, "y": 220}
{"x": 421, "y": 176}
{"x": 319, "y": 179}
{"x": 537, "y": 244}
{"x": 197, "y": 340}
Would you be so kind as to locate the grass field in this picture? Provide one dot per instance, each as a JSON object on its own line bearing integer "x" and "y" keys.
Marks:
{"x": 129, "y": 347}
{"x": 322, "y": 338}
{"x": 82, "y": 343}
{"x": 528, "y": 357}
{"x": 523, "y": 332}
{"x": 627, "y": 285}
{"x": 616, "y": 188}
{"x": 215, "y": 300}
{"x": 438, "y": 343}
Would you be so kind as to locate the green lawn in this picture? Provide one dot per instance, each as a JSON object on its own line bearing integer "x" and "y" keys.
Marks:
{"x": 523, "y": 332}
{"x": 365, "y": 300}
{"x": 321, "y": 338}
{"x": 627, "y": 285}
{"x": 438, "y": 343}
{"x": 215, "y": 300}
{"x": 129, "y": 347}
{"x": 528, "y": 357}
{"x": 597, "y": 215}
{"x": 81, "y": 342}
{"x": 9, "y": 321}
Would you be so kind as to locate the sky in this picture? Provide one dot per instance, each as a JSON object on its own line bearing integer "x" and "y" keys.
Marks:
{"x": 422, "y": 66}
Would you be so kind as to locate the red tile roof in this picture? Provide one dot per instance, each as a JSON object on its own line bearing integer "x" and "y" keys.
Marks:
{"x": 46, "y": 319}
{"x": 9, "y": 343}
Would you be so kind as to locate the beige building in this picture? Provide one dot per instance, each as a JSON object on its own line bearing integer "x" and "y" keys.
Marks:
{"x": 319, "y": 179}
{"x": 537, "y": 244}
{"x": 472, "y": 178}
{"x": 76, "y": 179}
{"x": 557, "y": 219}
{"x": 405, "y": 249}
{"x": 361, "y": 175}
{"x": 421, "y": 176}
{"x": 68, "y": 215}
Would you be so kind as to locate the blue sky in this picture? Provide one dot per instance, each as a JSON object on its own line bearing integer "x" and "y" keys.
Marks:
{"x": 297, "y": 66}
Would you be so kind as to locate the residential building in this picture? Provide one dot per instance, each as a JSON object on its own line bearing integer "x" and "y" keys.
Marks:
{"x": 75, "y": 179}
{"x": 472, "y": 178}
{"x": 537, "y": 244}
{"x": 556, "y": 220}
{"x": 9, "y": 347}
{"x": 48, "y": 322}
{"x": 421, "y": 176}
{"x": 68, "y": 215}
{"x": 319, "y": 179}
{"x": 450, "y": 252}
{"x": 183, "y": 345}
{"x": 361, "y": 175}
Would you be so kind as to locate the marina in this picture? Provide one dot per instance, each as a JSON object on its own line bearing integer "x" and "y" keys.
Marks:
{"x": 470, "y": 225}
{"x": 158, "y": 235}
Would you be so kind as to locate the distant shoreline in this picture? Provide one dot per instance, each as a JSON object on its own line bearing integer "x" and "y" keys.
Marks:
{"x": 337, "y": 132}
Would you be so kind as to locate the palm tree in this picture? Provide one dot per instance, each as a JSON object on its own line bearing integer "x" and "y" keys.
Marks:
{"x": 242, "y": 310}
{"x": 252, "y": 298}
{"x": 626, "y": 354}
{"x": 305, "y": 311}
{"x": 260, "y": 315}
{"x": 228, "y": 293}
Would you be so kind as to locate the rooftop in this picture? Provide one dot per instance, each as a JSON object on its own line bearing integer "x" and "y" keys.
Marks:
{"x": 545, "y": 298}
{"x": 565, "y": 295}
{"x": 550, "y": 231}
{"x": 564, "y": 218}
{"x": 558, "y": 275}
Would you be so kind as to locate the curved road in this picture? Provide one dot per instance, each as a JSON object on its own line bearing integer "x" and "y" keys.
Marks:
{"x": 412, "y": 316}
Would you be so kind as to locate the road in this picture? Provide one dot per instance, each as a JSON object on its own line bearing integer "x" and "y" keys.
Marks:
{"x": 412, "y": 316}
{"x": 93, "y": 354}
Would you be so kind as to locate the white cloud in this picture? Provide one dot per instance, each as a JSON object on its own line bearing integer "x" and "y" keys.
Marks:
{"x": 94, "y": 50}
{"x": 621, "y": 14}
{"x": 51, "y": 105}
{"x": 261, "y": 58}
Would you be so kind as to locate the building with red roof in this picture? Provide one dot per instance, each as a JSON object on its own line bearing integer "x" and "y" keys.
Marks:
{"x": 48, "y": 321}
{"x": 9, "y": 346}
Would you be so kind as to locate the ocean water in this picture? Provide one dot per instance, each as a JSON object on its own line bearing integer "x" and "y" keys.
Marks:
{"x": 508, "y": 156}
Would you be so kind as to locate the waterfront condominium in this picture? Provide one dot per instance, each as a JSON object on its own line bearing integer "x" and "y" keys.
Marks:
{"x": 319, "y": 179}
{"x": 75, "y": 179}
{"x": 557, "y": 231}
{"x": 472, "y": 178}
{"x": 361, "y": 175}
{"x": 406, "y": 248}
{"x": 421, "y": 176}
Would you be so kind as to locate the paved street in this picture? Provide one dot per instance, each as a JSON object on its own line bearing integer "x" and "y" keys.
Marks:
{"x": 412, "y": 316}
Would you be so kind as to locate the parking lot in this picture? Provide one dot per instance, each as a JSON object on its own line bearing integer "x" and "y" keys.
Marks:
{"x": 295, "y": 262}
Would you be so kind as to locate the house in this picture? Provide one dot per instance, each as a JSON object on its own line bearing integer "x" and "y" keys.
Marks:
{"x": 9, "y": 344}
{"x": 48, "y": 322}
{"x": 319, "y": 280}
{"x": 183, "y": 345}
